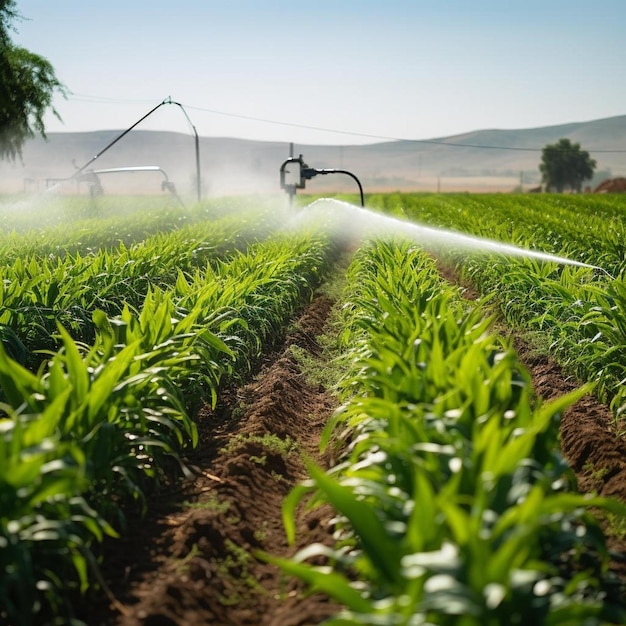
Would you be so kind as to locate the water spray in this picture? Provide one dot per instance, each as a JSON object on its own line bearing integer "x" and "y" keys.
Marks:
{"x": 362, "y": 222}
{"x": 303, "y": 173}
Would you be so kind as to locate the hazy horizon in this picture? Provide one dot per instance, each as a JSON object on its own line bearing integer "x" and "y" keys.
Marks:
{"x": 280, "y": 71}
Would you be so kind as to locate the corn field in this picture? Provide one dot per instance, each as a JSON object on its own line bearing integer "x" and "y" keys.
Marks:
{"x": 454, "y": 504}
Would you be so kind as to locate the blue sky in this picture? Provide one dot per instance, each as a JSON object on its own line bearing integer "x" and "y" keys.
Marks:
{"x": 411, "y": 69}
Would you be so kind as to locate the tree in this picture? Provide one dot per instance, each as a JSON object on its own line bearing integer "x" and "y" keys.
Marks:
{"x": 564, "y": 164}
{"x": 27, "y": 86}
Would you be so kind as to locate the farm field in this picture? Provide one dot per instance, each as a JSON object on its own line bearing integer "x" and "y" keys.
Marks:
{"x": 168, "y": 376}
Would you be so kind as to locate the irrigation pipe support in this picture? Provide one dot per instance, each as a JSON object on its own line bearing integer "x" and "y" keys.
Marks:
{"x": 148, "y": 114}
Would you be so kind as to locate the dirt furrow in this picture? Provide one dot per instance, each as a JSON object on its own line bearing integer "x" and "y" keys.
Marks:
{"x": 194, "y": 560}
{"x": 197, "y": 563}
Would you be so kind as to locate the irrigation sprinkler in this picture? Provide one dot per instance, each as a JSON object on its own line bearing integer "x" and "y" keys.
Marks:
{"x": 92, "y": 178}
{"x": 302, "y": 173}
{"x": 78, "y": 173}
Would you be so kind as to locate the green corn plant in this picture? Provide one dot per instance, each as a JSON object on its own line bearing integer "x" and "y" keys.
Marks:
{"x": 561, "y": 303}
{"x": 41, "y": 290}
{"x": 46, "y": 526}
{"x": 453, "y": 504}
{"x": 120, "y": 405}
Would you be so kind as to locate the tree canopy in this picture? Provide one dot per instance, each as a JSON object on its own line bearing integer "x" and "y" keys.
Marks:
{"x": 27, "y": 86}
{"x": 564, "y": 165}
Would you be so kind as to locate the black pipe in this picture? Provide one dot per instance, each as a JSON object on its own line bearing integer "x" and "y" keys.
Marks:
{"x": 334, "y": 171}
{"x": 291, "y": 188}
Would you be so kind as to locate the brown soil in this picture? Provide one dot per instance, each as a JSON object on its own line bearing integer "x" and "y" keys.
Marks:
{"x": 194, "y": 560}
{"x": 589, "y": 441}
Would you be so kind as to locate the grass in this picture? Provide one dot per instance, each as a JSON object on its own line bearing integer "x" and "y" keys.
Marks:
{"x": 268, "y": 441}
{"x": 325, "y": 369}
{"x": 212, "y": 503}
{"x": 235, "y": 566}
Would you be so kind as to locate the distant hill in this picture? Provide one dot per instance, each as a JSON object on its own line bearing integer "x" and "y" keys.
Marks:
{"x": 482, "y": 160}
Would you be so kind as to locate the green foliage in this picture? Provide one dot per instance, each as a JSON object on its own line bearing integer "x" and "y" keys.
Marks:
{"x": 454, "y": 506}
{"x": 453, "y": 502}
{"x": 564, "y": 165}
{"x": 576, "y": 312}
{"x": 27, "y": 87}
{"x": 106, "y": 415}
{"x": 65, "y": 280}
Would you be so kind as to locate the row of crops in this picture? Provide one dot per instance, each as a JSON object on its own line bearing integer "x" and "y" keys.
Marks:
{"x": 109, "y": 346}
{"x": 455, "y": 506}
{"x": 579, "y": 313}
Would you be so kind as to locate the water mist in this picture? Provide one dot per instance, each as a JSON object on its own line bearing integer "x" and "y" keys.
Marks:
{"x": 342, "y": 218}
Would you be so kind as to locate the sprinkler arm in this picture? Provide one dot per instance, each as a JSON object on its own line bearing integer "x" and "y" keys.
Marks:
{"x": 112, "y": 143}
{"x": 169, "y": 100}
{"x": 92, "y": 177}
